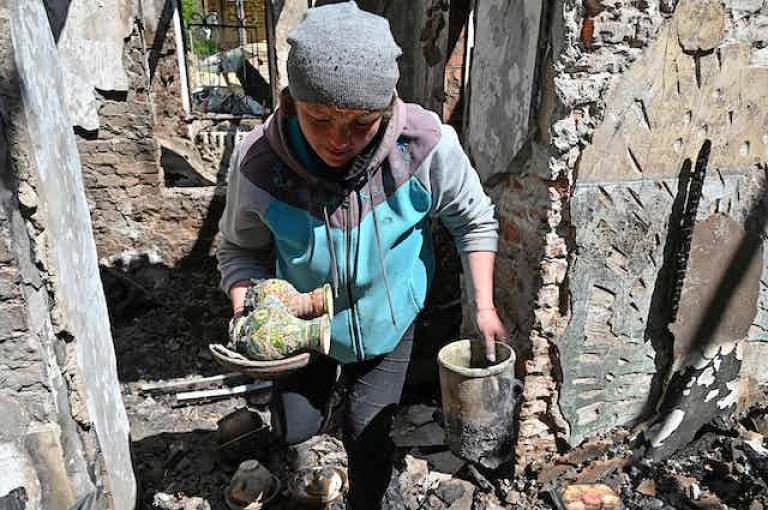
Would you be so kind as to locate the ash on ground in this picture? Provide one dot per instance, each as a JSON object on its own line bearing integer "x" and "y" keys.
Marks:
{"x": 186, "y": 454}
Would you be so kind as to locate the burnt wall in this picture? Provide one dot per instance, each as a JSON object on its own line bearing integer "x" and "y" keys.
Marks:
{"x": 630, "y": 277}
{"x": 654, "y": 288}
{"x": 64, "y": 436}
{"x": 138, "y": 208}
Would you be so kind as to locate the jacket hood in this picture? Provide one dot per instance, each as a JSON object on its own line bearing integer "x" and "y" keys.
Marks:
{"x": 275, "y": 133}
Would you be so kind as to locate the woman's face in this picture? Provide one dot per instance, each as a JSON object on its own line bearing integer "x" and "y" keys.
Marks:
{"x": 337, "y": 135}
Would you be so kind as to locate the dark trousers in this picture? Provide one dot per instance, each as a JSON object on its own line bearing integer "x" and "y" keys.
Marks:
{"x": 301, "y": 404}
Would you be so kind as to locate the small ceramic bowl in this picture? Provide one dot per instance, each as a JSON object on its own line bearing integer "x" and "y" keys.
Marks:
{"x": 235, "y": 362}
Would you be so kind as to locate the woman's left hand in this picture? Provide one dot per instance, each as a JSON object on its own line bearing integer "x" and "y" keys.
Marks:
{"x": 491, "y": 329}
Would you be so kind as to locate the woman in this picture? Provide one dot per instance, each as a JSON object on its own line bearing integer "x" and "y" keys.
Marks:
{"x": 339, "y": 186}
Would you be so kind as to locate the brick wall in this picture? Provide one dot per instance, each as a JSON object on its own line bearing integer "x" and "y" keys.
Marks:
{"x": 625, "y": 92}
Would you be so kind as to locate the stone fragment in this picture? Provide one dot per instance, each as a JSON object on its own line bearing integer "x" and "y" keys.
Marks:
{"x": 44, "y": 447}
{"x": 700, "y": 24}
{"x": 555, "y": 472}
{"x": 412, "y": 484}
{"x": 487, "y": 501}
{"x": 444, "y": 462}
{"x": 553, "y": 271}
{"x": 12, "y": 319}
{"x": 759, "y": 421}
{"x": 164, "y": 501}
{"x": 456, "y": 493}
{"x": 16, "y": 500}
{"x": 430, "y": 434}
{"x": 587, "y": 451}
{"x": 601, "y": 469}
{"x": 744, "y": 7}
{"x": 694, "y": 491}
{"x": 419, "y": 414}
{"x": 647, "y": 488}
{"x": 757, "y": 455}
{"x": 15, "y": 418}
{"x": 18, "y": 471}
{"x": 668, "y": 6}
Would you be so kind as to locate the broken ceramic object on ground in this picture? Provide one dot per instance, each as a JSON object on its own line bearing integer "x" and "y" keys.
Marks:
{"x": 318, "y": 485}
{"x": 164, "y": 501}
{"x": 251, "y": 487}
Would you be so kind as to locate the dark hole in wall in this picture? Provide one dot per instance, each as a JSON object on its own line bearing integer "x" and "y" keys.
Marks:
{"x": 119, "y": 96}
{"x": 127, "y": 298}
{"x": 178, "y": 172}
{"x": 86, "y": 134}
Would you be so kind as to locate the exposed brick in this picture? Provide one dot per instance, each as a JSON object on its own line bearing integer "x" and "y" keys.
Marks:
{"x": 553, "y": 271}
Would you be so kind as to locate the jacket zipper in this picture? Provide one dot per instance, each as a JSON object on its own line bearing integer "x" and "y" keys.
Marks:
{"x": 357, "y": 345}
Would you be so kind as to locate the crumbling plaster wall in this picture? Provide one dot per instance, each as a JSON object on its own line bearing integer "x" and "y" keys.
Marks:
{"x": 501, "y": 82}
{"x": 696, "y": 81}
{"x": 158, "y": 30}
{"x": 627, "y": 91}
{"x": 89, "y": 37}
{"x": 64, "y": 436}
{"x": 420, "y": 28}
{"x": 134, "y": 212}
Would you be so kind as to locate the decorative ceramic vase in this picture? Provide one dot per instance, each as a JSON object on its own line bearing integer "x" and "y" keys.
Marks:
{"x": 307, "y": 305}
{"x": 271, "y": 332}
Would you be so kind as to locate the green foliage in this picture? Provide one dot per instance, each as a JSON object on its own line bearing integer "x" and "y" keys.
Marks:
{"x": 191, "y": 14}
{"x": 204, "y": 48}
{"x": 187, "y": 11}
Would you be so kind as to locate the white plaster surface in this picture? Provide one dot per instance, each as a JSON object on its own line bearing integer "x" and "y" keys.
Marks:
{"x": 502, "y": 73}
{"x": 73, "y": 250}
{"x": 707, "y": 377}
{"x": 17, "y": 471}
{"x": 91, "y": 48}
{"x": 712, "y": 394}
{"x": 731, "y": 397}
{"x": 754, "y": 365}
{"x": 670, "y": 425}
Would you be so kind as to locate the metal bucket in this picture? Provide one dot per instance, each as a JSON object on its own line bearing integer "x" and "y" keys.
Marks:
{"x": 479, "y": 402}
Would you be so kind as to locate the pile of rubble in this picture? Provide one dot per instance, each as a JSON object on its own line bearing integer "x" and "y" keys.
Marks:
{"x": 725, "y": 467}
{"x": 188, "y": 441}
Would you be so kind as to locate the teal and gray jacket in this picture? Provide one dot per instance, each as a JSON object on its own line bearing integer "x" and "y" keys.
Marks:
{"x": 367, "y": 232}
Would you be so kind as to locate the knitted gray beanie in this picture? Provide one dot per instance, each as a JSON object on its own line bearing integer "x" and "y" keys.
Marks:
{"x": 343, "y": 56}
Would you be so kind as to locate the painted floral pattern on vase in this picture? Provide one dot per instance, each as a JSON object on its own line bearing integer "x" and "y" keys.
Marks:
{"x": 273, "y": 326}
